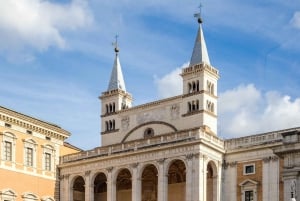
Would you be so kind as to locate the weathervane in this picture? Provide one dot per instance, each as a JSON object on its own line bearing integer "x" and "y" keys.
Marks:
{"x": 116, "y": 44}
{"x": 198, "y": 15}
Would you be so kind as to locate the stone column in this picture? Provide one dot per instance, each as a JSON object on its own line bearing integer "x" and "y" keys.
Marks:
{"x": 196, "y": 177}
{"x": 229, "y": 183}
{"x": 219, "y": 181}
{"x": 136, "y": 183}
{"x": 111, "y": 185}
{"x": 65, "y": 187}
{"x": 88, "y": 188}
{"x": 162, "y": 181}
{"x": 189, "y": 177}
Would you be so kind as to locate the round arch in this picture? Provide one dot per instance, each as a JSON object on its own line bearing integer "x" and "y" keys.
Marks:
{"x": 78, "y": 188}
{"x": 146, "y": 124}
{"x": 124, "y": 185}
{"x": 211, "y": 181}
{"x": 176, "y": 180}
{"x": 149, "y": 178}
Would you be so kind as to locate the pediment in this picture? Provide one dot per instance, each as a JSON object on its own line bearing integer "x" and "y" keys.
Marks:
{"x": 248, "y": 182}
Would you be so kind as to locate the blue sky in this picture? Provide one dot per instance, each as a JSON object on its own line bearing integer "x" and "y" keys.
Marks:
{"x": 56, "y": 58}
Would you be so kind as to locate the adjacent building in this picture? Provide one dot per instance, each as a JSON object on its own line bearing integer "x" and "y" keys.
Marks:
{"x": 29, "y": 154}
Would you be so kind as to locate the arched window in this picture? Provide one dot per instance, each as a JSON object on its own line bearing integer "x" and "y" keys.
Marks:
{"x": 189, "y": 87}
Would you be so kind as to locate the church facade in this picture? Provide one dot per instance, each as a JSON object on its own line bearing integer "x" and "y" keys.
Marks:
{"x": 169, "y": 149}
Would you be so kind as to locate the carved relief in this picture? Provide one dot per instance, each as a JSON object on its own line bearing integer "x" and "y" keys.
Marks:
{"x": 156, "y": 115}
{"x": 125, "y": 123}
{"x": 174, "y": 111}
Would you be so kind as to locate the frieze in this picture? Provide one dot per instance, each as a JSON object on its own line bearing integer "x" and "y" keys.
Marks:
{"x": 155, "y": 115}
{"x": 125, "y": 122}
{"x": 131, "y": 159}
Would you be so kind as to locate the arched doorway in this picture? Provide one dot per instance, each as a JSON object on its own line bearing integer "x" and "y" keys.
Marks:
{"x": 149, "y": 183}
{"x": 124, "y": 186}
{"x": 176, "y": 181}
{"x": 100, "y": 187}
{"x": 211, "y": 182}
{"x": 78, "y": 189}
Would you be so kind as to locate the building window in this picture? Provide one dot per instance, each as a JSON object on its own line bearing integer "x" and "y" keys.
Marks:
{"x": 29, "y": 157}
{"x": 210, "y": 106}
{"x": 193, "y": 106}
{"x": 7, "y": 125}
{"x": 47, "y": 161}
{"x": 30, "y": 153}
{"x": 7, "y": 151}
{"x": 8, "y": 147}
{"x": 248, "y": 195}
{"x": 149, "y": 132}
{"x": 249, "y": 169}
{"x": 210, "y": 87}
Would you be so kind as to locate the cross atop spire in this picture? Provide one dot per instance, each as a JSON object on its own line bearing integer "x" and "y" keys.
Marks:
{"x": 115, "y": 44}
{"x": 200, "y": 54}
{"x": 116, "y": 78}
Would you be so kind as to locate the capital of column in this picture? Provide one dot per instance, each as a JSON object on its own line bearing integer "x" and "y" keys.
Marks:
{"x": 134, "y": 165}
{"x": 87, "y": 173}
{"x": 161, "y": 161}
{"x": 270, "y": 158}
{"x": 189, "y": 156}
{"x": 109, "y": 169}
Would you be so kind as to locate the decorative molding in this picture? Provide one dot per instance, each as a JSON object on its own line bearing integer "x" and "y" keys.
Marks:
{"x": 148, "y": 123}
{"x": 109, "y": 169}
{"x": 270, "y": 158}
{"x": 134, "y": 165}
{"x": 32, "y": 124}
{"x": 189, "y": 156}
{"x": 87, "y": 173}
{"x": 110, "y": 131}
{"x": 161, "y": 161}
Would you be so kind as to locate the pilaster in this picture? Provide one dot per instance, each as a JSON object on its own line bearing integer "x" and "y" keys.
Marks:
{"x": 136, "y": 182}
{"x": 162, "y": 181}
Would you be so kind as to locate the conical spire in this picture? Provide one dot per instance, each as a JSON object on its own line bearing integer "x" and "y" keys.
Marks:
{"x": 200, "y": 54}
{"x": 116, "y": 78}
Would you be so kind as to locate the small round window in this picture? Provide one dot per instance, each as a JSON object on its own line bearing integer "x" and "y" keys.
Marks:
{"x": 149, "y": 132}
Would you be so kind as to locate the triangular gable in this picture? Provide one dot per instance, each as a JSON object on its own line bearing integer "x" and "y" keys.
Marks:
{"x": 248, "y": 182}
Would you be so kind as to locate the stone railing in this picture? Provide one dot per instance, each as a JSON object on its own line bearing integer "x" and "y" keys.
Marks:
{"x": 254, "y": 140}
{"x": 162, "y": 140}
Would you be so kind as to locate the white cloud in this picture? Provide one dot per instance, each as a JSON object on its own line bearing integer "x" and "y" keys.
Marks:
{"x": 245, "y": 110}
{"x": 39, "y": 23}
{"x": 170, "y": 84}
{"x": 296, "y": 20}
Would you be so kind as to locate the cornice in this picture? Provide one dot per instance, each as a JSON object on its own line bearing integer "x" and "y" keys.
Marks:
{"x": 32, "y": 124}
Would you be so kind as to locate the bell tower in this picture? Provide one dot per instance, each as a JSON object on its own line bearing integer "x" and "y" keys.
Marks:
{"x": 200, "y": 81}
{"x": 115, "y": 98}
